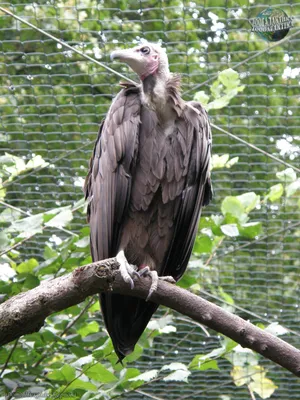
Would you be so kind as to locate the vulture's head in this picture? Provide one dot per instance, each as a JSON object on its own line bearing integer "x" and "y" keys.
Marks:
{"x": 146, "y": 59}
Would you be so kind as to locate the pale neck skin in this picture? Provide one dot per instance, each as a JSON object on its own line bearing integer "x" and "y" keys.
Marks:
{"x": 154, "y": 94}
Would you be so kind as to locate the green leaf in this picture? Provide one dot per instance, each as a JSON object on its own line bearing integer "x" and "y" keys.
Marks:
{"x": 146, "y": 376}
{"x": 103, "y": 351}
{"x": 85, "y": 241}
{"x": 27, "y": 226}
{"x": 100, "y": 373}
{"x": 9, "y": 215}
{"x": 60, "y": 220}
{"x": 36, "y": 162}
{"x": 68, "y": 372}
{"x": 175, "y": 366}
{"x": 9, "y": 383}
{"x": 231, "y": 162}
{"x": 181, "y": 375}
{"x": 2, "y": 190}
{"x": 3, "y": 355}
{"x": 211, "y": 364}
{"x": 218, "y": 103}
{"x": 240, "y": 375}
{"x": 229, "y": 78}
{"x": 228, "y": 344}
{"x": 203, "y": 244}
{"x": 27, "y": 267}
{"x": 80, "y": 384}
{"x": 249, "y": 201}
{"x": 55, "y": 375}
{"x": 92, "y": 327}
{"x": 292, "y": 188}
{"x": 225, "y": 296}
{"x": 162, "y": 324}
{"x": 4, "y": 241}
{"x": 230, "y": 230}
{"x": 250, "y": 230}
{"x": 31, "y": 282}
{"x": 200, "y": 363}
{"x": 261, "y": 385}
{"x": 275, "y": 329}
{"x": 202, "y": 97}
{"x": 242, "y": 357}
{"x": 232, "y": 205}
{"x": 275, "y": 193}
{"x": 136, "y": 354}
{"x": 219, "y": 161}
{"x": 287, "y": 175}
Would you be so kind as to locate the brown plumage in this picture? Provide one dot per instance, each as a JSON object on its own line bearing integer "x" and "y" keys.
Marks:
{"x": 147, "y": 181}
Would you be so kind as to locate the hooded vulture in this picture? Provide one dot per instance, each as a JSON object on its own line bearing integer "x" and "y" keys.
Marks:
{"x": 148, "y": 178}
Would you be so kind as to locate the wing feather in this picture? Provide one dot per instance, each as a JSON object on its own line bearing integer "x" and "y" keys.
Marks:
{"x": 196, "y": 193}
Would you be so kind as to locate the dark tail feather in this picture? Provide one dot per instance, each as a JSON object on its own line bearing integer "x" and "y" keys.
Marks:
{"x": 125, "y": 318}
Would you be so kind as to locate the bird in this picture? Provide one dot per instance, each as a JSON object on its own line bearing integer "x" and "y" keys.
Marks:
{"x": 148, "y": 179}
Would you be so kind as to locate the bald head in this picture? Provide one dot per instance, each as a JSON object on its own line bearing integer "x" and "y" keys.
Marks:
{"x": 147, "y": 59}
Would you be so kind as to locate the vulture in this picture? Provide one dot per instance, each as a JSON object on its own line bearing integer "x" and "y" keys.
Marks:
{"x": 148, "y": 178}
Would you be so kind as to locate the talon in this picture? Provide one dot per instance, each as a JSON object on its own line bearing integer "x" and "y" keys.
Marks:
{"x": 127, "y": 270}
{"x": 169, "y": 279}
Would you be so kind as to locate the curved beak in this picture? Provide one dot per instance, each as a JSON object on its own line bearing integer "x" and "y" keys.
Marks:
{"x": 124, "y": 55}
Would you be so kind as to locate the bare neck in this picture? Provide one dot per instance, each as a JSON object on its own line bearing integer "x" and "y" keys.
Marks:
{"x": 160, "y": 92}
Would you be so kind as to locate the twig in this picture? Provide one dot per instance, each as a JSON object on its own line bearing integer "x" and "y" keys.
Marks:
{"x": 9, "y": 357}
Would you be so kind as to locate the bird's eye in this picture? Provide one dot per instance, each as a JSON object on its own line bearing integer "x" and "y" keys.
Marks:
{"x": 145, "y": 50}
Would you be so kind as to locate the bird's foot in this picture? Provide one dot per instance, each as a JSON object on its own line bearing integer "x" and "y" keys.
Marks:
{"x": 146, "y": 271}
{"x": 127, "y": 270}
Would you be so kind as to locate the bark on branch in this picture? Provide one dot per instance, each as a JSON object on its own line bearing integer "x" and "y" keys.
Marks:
{"x": 26, "y": 312}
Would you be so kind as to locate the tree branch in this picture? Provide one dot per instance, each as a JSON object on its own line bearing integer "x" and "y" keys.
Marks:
{"x": 26, "y": 312}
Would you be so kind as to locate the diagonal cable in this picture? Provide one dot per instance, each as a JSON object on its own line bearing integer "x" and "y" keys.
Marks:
{"x": 66, "y": 45}
{"x": 124, "y": 77}
{"x": 252, "y": 146}
{"x": 259, "y": 53}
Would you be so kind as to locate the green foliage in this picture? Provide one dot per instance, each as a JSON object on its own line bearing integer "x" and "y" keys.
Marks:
{"x": 225, "y": 88}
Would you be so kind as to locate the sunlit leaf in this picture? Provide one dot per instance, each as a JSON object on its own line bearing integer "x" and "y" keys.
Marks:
{"x": 202, "y": 97}
{"x": 219, "y": 161}
{"x": 275, "y": 193}
{"x": 27, "y": 226}
{"x": 240, "y": 375}
{"x": 146, "y": 376}
{"x": 230, "y": 230}
{"x": 91, "y": 327}
{"x": 276, "y": 329}
{"x": 229, "y": 78}
{"x": 60, "y": 220}
{"x": 27, "y": 266}
{"x": 180, "y": 375}
{"x": 287, "y": 175}
{"x": 261, "y": 385}
{"x": 249, "y": 201}
{"x": 233, "y": 206}
{"x": 292, "y": 188}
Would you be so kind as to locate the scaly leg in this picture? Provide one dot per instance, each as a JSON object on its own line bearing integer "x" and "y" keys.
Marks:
{"x": 146, "y": 271}
{"x": 127, "y": 270}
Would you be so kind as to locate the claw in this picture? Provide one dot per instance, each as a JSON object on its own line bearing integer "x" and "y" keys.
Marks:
{"x": 146, "y": 271}
{"x": 127, "y": 270}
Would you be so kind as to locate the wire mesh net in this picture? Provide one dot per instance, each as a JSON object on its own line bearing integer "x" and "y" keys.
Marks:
{"x": 52, "y": 101}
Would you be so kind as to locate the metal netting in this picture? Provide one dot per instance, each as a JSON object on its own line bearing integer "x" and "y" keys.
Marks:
{"x": 51, "y": 103}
